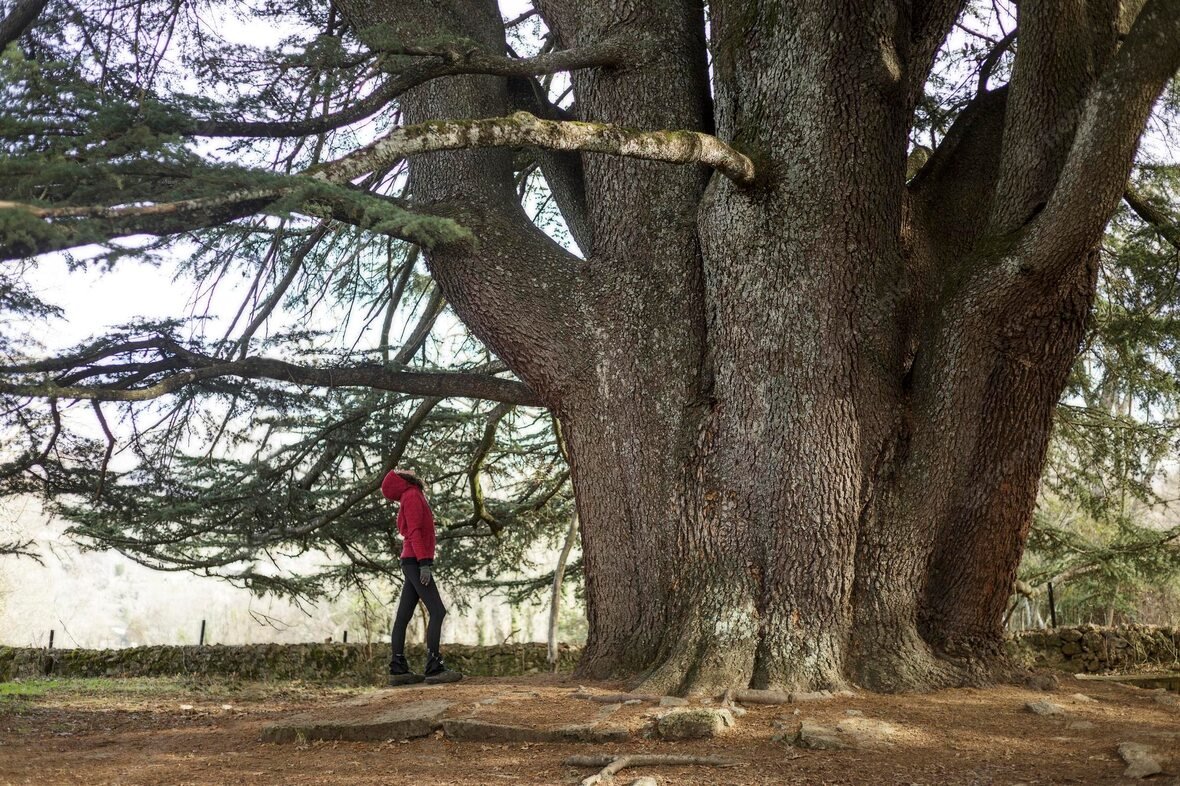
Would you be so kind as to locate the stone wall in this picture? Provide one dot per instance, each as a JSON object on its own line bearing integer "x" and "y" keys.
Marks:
{"x": 1086, "y": 648}
{"x": 339, "y": 663}
{"x": 1093, "y": 649}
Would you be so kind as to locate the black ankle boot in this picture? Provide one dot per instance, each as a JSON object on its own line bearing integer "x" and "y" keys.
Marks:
{"x": 399, "y": 672}
{"x": 437, "y": 671}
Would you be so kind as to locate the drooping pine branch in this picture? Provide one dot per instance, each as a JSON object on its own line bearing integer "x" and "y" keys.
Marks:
{"x": 186, "y": 368}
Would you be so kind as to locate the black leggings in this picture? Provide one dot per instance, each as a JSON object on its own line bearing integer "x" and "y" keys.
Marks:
{"x": 412, "y": 591}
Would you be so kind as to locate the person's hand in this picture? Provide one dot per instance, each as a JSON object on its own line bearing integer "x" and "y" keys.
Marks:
{"x": 424, "y": 575}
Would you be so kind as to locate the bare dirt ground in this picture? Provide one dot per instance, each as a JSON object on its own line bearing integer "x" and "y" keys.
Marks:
{"x": 169, "y": 731}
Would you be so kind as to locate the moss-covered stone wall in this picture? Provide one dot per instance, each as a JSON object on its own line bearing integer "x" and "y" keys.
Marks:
{"x": 1093, "y": 649}
{"x": 339, "y": 663}
{"x": 1086, "y": 648}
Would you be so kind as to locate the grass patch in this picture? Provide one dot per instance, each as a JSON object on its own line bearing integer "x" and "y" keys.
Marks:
{"x": 23, "y": 689}
{"x": 68, "y": 689}
{"x": 90, "y": 686}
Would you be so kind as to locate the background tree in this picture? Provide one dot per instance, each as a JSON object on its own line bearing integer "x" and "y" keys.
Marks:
{"x": 806, "y": 398}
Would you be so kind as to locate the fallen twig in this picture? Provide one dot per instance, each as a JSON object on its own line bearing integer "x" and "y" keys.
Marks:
{"x": 615, "y": 698}
{"x": 612, "y": 765}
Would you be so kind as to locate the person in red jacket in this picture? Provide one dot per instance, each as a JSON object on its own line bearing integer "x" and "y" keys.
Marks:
{"x": 415, "y": 523}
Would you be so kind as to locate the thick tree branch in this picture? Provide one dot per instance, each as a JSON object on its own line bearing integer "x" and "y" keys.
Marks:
{"x": 231, "y": 198}
{"x": 564, "y": 171}
{"x": 929, "y": 24}
{"x": 515, "y": 288}
{"x": 1095, "y": 174}
{"x": 18, "y": 20}
{"x": 1063, "y": 48}
{"x": 523, "y": 129}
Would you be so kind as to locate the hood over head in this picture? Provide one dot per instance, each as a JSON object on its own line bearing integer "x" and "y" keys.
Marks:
{"x": 394, "y": 486}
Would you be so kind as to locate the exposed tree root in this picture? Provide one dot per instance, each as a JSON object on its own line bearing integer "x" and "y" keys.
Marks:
{"x": 615, "y": 698}
{"x": 612, "y": 765}
{"x": 755, "y": 696}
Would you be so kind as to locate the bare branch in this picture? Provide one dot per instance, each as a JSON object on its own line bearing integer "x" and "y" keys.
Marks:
{"x": 1160, "y": 221}
{"x": 106, "y": 458}
{"x": 443, "y": 62}
{"x": 993, "y": 59}
{"x": 422, "y": 330}
{"x": 523, "y": 129}
{"x": 476, "y": 465}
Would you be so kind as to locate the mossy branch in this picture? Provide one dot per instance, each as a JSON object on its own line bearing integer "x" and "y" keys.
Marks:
{"x": 27, "y": 229}
{"x": 526, "y": 130}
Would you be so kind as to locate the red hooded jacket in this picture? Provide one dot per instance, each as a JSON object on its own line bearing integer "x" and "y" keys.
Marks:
{"x": 415, "y": 522}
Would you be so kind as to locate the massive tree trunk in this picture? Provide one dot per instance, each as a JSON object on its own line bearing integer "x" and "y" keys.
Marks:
{"x": 806, "y": 418}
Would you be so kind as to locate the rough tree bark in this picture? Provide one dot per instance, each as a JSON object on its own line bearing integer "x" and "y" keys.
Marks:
{"x": 807, "y": 416}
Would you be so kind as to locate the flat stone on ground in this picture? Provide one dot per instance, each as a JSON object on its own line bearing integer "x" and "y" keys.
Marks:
{"x": 1141, "y": 760}
{"x": 853, "y": 732}
{"x": 1044, "y": 708}
{"x": 816, "y": 737}
{"x": 469, "y": 730}
{"x": 867, "y": 732}
{"x": 416, "y": 719}
{"x": 696, "y": 723}
{"x": 1045, "y": 682}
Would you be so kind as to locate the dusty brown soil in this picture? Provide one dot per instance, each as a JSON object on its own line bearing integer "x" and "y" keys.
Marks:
{"x": 109, "y": 734}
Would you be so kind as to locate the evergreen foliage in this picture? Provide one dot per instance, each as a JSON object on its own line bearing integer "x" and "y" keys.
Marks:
{"x": 109, "y": 109}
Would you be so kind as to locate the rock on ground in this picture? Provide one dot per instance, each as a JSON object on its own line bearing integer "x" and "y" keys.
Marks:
{"x": 853, "y": 732}
{"x": 1044, "y": 708}
{"x": 867, "y": 732}
{"x": 816, "y": 737}
{"x": 1045, "y": 682}
{"x": 1141, "y": 760}
{"x": 696, "y": 723}
{"x": 416, "y": 719}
